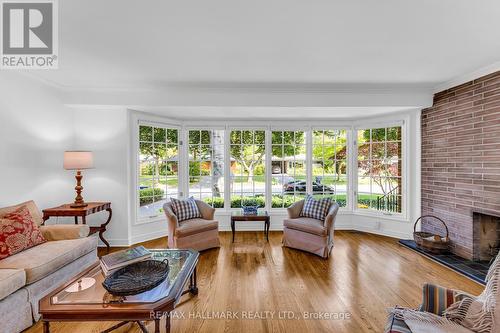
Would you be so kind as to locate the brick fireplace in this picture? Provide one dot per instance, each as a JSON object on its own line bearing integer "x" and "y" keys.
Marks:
{"x": 461, "y": 164}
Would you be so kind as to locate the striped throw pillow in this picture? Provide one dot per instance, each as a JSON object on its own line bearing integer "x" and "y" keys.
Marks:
{"x": 316, "y": 209}
{"x": 185, "y": 209}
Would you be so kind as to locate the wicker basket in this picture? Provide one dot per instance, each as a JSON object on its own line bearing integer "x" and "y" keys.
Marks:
{"x": 431, "y": 242}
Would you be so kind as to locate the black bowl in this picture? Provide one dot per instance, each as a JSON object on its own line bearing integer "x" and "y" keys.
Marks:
{"x": 136, "y": 278}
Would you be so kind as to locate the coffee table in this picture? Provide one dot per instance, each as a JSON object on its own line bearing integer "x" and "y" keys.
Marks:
{"x": 96, "y": 304}
{"x": 260, "y": 216}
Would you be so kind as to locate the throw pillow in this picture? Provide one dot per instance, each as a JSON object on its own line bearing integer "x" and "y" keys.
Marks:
{"x": 316, "y": 209}
{"x": 18, "y": 232}
{"x": 185, "y": 209}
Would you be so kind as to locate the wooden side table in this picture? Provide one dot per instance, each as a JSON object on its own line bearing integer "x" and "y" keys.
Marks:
{"x": 93, "y": 207}
{"x": 260, "y": 216}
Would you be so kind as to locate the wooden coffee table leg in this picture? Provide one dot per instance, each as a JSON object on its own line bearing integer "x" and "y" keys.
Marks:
{"x": 46, "y": 327}
{"x": 193, "y": 288}
{"x": 268, "y": 224}
{"x": 232, "y": 228}
{"x": 167, "y": 323}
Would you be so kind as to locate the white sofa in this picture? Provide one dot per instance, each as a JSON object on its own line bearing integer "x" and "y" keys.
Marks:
{"x": 28, "y": 276}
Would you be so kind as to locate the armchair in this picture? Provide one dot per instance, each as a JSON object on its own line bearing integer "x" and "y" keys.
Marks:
{"x": 309, "y": 234}
{"x": 199, "y": 233}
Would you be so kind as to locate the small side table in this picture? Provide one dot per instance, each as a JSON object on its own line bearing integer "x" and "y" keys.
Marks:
{"x": 93, "y": 207}
{"x": 260, "y": 216}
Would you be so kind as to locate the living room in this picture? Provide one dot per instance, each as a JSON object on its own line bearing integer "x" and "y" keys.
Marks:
{"x": 250, "y": 166}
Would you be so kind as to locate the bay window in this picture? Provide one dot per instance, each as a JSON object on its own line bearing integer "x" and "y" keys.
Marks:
{"x": 271, "y": 167}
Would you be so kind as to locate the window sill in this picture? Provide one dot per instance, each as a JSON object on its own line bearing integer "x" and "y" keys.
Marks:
{"x": 399, "y": 217}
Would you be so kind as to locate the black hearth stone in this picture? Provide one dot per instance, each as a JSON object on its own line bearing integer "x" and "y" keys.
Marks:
{"x": 476, "y": 270}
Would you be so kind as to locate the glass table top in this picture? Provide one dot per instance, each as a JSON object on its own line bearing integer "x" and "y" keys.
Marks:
{"x": 240, "y": 213}
{"x": 88, "y": 288}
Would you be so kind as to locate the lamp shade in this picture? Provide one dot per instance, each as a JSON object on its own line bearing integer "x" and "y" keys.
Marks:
{"x": 78, "y": 160}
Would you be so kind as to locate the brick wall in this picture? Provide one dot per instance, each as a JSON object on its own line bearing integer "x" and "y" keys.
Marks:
{"x": 461, "y": 157}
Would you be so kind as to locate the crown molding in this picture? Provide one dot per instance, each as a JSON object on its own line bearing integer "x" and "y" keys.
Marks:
{"x": 467, "y": 77}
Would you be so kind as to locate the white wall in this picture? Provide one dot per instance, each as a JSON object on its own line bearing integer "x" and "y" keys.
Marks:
{"x": 105, "y": 131}
{"x": 35, "y": 129}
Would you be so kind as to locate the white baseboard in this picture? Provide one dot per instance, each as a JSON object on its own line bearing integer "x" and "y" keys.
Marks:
{"x": 149, "y": 236}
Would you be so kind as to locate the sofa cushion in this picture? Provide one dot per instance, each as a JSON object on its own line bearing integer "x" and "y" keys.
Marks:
{"x": 18, "y": 232}
{"x": 10, "y": 281}
{"x": 316, "y": 209}
{"x": 57, "y": 232}
{"x": 185, "y": 209}
{"x": 194, "y": 226}
{"x": 306, "y": 224}
{"x": 34, "y": 211}
{"x": 42, "y": 260}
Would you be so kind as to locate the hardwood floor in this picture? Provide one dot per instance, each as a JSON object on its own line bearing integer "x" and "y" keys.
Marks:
{"x": 365, "y": 275}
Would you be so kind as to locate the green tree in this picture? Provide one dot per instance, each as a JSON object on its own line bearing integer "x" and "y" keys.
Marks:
{"x": 379, "y": 154}
{"x": 248, "y": 149}
{"x": 157, "y": 145}
{"x": 330, "y": 148}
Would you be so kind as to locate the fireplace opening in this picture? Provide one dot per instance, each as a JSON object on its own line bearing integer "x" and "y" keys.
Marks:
{"x": 486, "y": 235}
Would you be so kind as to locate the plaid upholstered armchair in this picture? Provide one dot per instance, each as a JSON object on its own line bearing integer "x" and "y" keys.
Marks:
{"x": 198, "y": 233}
{"x": 310, "y": 234}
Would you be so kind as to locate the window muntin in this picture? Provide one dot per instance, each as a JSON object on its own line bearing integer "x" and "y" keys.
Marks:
{"x": 158, "y": 168}
{"x": 329, "y": 165}
{"x": 288, "y": 167}
{"x": 206, "y": 166}
{"x": 248, "y": 172}
{"x": 380, "y": 184}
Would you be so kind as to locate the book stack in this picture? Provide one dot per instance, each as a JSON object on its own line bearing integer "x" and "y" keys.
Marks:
{"x": 112, "y": 262}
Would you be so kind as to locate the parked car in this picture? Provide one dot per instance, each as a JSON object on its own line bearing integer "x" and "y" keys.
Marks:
{"x": 301, "y": 186}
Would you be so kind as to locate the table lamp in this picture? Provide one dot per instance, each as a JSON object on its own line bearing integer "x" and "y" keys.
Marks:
{"x": 78, "y": 160}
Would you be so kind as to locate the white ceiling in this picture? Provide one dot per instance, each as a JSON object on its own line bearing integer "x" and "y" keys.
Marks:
{"x": 155, "y": 44}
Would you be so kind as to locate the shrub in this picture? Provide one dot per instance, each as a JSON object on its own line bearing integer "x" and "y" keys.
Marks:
{"x": 215, "y": 202}
{"x": 259, "y": 170}
{"x": 149, "y": 195}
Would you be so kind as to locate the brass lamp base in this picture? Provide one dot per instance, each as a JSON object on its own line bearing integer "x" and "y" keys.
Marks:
{"x": 79, "y": 203}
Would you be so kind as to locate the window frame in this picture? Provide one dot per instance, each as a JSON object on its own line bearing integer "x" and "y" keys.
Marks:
{"x": 185, "y": 138}
{"x": 403, "y": 215}
{"x": 269, "y": 155}
{"x": 349, "y": 132}
{"x": 136, "y": 165}
{"x": 227, "y": 171}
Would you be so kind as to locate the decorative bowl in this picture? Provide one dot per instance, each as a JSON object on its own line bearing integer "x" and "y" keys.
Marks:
{"x": 136, "y": 278}
{"x": 250, "y": 210}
